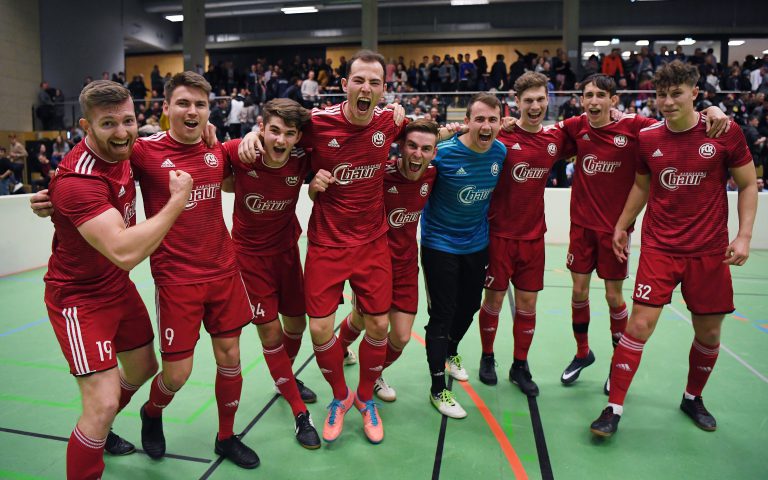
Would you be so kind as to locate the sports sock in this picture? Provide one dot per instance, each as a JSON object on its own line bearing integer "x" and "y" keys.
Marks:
{"x": 624, "y": 364}
{"x": 619, "y": 317}
{"x": 489, "y": 323}
{"x": 292, "y": 342}
{"x": 393, "y": 353}
{"x": 372, "y": 355}
{"x": 522, "y": 332}
{"x": 159, "y": 397}
{"x": 85, "y": 456}
{"x": 126, "y": 392}
{"x": 330, "y": 359}
{"x": 280, "y": 368}
{"x": 229, "y": 385}
{"x": 701, "y": 361}
{"x": 580, "y": 324}
{"x": 348, "y": 333}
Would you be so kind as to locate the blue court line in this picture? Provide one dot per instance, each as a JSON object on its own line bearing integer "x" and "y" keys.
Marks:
{"x": 24, "y": 327}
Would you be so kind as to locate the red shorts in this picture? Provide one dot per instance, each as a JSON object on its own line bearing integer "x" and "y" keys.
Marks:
{"x": 590, "y": 249}
{"x": 221, "y": 305}
{"x": 518, "y": 261}
{"x": 706, "y": 282}
{"x": 367, "y": 267}
{"x": 275, "y": 284}
{"x": 91, "y": 336}
{"x": 405, "y": 287}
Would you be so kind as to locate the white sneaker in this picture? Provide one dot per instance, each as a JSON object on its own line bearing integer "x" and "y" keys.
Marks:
{"x": 445, "y": 403}
{"x": 351, "y": 358}
{"x": 456, "y": 369}
{"x": 18, "y": 187}
{"x": 382, "y": 390}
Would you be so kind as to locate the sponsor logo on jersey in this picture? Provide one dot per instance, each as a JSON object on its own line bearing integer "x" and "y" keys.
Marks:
{"x": 516, "y": 147}
{"x": 256, "y": 203}
{"x": 591, "y": 165}
{"x": 495, "y": 169}
{"x": 201, "y": 193}
{"x": 552, "y": 149}
{"x": 523, "y": 171}
{"x": 424, "y": 190}
{"x": 393, "y": 189}
{"x": 292, "y": 181}
{"x": 129, "y": 211}
{"x": 122, "y": 191}
{"x": 400, "y": 216}
{"x": 471, "y": 194}
{"x": 461, "y": 171}
{"x": 657, "y": 153}
{"x": 620, "y": 141}
{"x": 378, "y": 138}
{"x": 334, "y": 143}
{"x": 167, "y": 164}
{"x": 211, "y": 160}
{"x": 707, "y": 150}
{"x": 345, "y": 173}
{"x": 672, "y": 180}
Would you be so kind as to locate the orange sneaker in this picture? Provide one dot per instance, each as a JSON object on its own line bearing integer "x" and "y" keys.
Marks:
{"x": 334, "y": 422}
{"x": 372, "y": 425}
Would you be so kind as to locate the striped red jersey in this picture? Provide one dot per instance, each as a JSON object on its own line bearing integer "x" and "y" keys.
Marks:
{"x": 517, "y": 204}
{"x": 198, "y": 248}
{"x": 264, "y": 220}
{"x": 687, "y": 212}
{"x": 351, "y": 211}
{"x": 85, "y": 186}
{"x": 605, "y": 169}
{"x": 404, "y": 200}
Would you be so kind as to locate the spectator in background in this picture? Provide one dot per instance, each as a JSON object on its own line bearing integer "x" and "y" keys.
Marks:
{"x": 613, "y": 66}
{"x": 156, "y": 80}
{"x": 60, "y": 148}
{"x": 236, "y": 106}
{"x": 760, "y": 184}
{"x": 45, "y": 107}
{"x": 755, "y": 142}
{"x": 498, "y": 77}
{"x": 650, "y": 109}
{"x": 481, "y": 67}
{"x": 248, "y": 116}
{"x": 6, "y": 172}
{"x": 44, "y": 167}
{"x": 309, "y": 90}
{"x": 138, "y": 89}
{"x": 18, "y": 155}
{"x": 58, "y": 109}
{"x": 218, "y": 118}
{"x": 571, "y": 108}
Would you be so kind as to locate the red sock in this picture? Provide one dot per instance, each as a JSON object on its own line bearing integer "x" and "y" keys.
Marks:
{"x": 159, "y": 397}
{"x": 580, "y": 319}
{"x": 626, "y": 360}
{"x": 372, "y": 355}
{"x": 292, "y": 342}
{"x": 348, "y": 333}
{"x": 330, "y": 359}
{"x": 489, "y": 323}
{"x": 619, "y": 317}
{"x": 280, "y": 368}
{"x": 393, "y": 353}
{"x": 229, "y": 384}
{"x": 522, "y": 332}
{"x": 85, "y": 456}
{"x": 126, "y": 392}
{"x": 701, "y": 361}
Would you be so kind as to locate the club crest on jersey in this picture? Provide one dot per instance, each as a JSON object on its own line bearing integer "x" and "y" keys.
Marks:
{"x": 495, "y": 169}
{"x": 378, "y": 138}
{"x": 400, "y": 216}
{"x": 591, "y": 165}
{"x": 471, "y": 194}
{"x": 129, "y": 212}
{"x": 552, "y": 149}
{"x": 672, "y": 180}
{"x": 523, "y": 171}
{"x": 424, "y": 190}
{"x": 256, "y": 203}
{"x": 707, "y": 150}
{"x": 345, "y": 173}
{"x": 292, "y": 180}
{"x": 211, "y": 160}
{"x": 620, "y": 141}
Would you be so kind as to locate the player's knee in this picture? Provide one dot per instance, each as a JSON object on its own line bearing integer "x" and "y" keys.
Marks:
{"x": 148, "y": 369}
{"x": 614, "y": 299}
{"x": 176, "y": 379}
{"x": 400, "y": 339}
{"x": 579, "y": 293}
{"x": 377, "y": 326}
{"x": 709, "y": 335}
{"x": 270, "y": 333}
{"x": 102, "y": 409}
{"x": 319, "y": 330}
{"x": 640, "y": 328}
{"x": 494, "y": 302}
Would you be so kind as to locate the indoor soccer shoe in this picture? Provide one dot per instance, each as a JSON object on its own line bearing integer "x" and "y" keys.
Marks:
{"x": 488, "y": 370}
{"x": 606, "y": 424}
{"x": 305, "y": 431}
{"x": 445, "y": 403}
{"x": 456, "y": 369}
{"x": 350, "y": 358}
{"x": 520, "y": 375}
{"x": 152, "y": 437}
{"x": 372, "y": 426}
{"x": 573, "y": 370}
{"x": 334, "y": 421}
{"x": 307, "y": 395}
{"x": 117, "y": 445}
{"x": 382, "y": 390}
{"x": 699, "y": 414}
{"x": 237, "y": 452}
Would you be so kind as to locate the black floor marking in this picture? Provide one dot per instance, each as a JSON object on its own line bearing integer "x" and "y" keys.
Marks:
{"x": 541, "y": 442}
{"x": 63, "y": 439}
{"x": 441, "y": 440}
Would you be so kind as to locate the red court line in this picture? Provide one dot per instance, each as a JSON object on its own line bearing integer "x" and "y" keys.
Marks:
{"x": 498, "y": 432}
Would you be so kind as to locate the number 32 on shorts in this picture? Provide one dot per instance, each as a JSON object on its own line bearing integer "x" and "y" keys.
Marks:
{"x": 642, "y": 291}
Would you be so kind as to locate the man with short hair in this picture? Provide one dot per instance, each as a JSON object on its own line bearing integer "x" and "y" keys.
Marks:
{"x": 685, "y": 238}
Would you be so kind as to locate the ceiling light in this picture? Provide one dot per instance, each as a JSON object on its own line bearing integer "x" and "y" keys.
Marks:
{"x": 736, "y": 43}
{"x": 687, "y": 41}
{"x": 175, "y": 18}
{"x": 625, "y": 54}
{"x": 295, "y": 10}
{"x": 602, "y": 43}
{"x": 615, "y": 41}
{"x": 589, "y": 54}
{"x": 765, "y": 52}
{"x": 642, "y": 43}
{"x": 461, "y": 3}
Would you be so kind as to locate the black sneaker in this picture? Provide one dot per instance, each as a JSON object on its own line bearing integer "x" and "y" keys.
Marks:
{"x": 520, "y": 375}
{"x": 117, "y": 445}
{"x": 305, "y": 431}
{"x": 152, "y": 437}
{"x": 606, "y": 424}
{"x": 239, "y": 453}
{"x": 488, "y": 369}
{"x": 306, "y": 393}
{"x": 699, "y": 414}
{"x": 573, "y": 370}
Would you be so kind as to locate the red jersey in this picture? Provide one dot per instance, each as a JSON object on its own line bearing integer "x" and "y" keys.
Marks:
{"x": 404, "y": 200}
{"x": 687, "y": 212}
{"x": 351, "y": 211}
{"x": 198, "y": 248}
{"x": 264, "y": 220}
{"x": 517, "y": 204}
{"x": 85, "y": 187}
{"x": 605, "y": 169}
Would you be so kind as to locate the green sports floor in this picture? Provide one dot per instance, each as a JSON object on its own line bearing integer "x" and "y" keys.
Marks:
{"x": 505, "y": 435}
